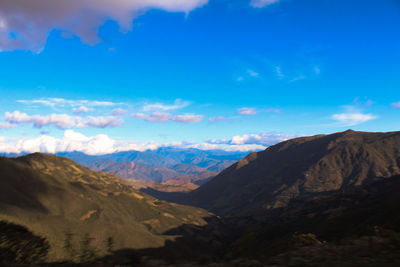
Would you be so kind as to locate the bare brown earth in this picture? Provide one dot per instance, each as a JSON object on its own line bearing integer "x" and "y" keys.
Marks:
{"x": 168, "y": 186}
{"x": 318, "y": 164}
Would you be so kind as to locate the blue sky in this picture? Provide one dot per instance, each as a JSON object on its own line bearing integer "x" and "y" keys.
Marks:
{"x": 208, "y": 74}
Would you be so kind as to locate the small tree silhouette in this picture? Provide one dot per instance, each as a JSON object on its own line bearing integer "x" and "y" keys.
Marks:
{"x": 87, "y": 252}
{"x": 110, "y": 244}
{"x": 68, "y": 245}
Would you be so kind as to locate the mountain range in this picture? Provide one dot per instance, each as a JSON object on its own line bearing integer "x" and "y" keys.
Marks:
{"x": 164, "y": 165}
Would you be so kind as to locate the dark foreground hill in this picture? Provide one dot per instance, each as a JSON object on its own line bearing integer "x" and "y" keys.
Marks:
{"x": 360, "y": 227}
{"x": 309, "y": 165}
{"x": 58, "y": 199}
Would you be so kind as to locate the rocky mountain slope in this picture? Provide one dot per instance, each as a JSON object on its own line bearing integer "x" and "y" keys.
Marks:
{"x": 308, "y": 165}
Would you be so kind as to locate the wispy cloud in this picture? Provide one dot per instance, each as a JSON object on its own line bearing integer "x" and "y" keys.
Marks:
{"x": 353, "y": 118}
{"x": 396, "y": 105}
{"x": 178, "y": 104}
{"x": 218, "y": 119}
{"x": 6, "y": 125}
{"x": 62, "y": 121}
{"x": 81, "y": 109}
{"x": 298, "y": 78}
{"x": 76, "y": 17}
{"x": 279, "y": 72}
{"x": 247, "y": 111}
{"x": 262, "y": 3}
{"x": 164, "y": 117}
{"x": 61, "y": 102}
{"x": 254, "y": 111}
{"x": 248, "y": 74}
{"x": 119, "y": 111}
{"x": 253, "y": 73}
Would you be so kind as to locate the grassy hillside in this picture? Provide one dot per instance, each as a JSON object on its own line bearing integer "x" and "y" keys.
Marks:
{"x": 52, "y": 196}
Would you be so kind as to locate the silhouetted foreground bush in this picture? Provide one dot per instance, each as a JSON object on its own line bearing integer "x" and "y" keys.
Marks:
{"x": 19, "y": 245}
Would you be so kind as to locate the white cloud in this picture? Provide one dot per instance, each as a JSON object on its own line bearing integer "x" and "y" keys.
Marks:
{"x": 178, "y": 104}
{"x": 218, "y": 119}
{"x": 189, "y": 118}
{"x": 81, "y": 109}
{"x": 254, "y": 111}
{"x": 262, "y": 3}
{"x": 62, "y": 121}
{"x": 396, "y": 105}
{"x": 98, "y": 122}
{"x": 119, "y": 111}
{"x": 154, "y": 117}
{"x": 353, "y": 118}
{"x": 25, "y": 24}
{"x": 247, "y": 111}
{"x": 61, "y": 102}
{"x": 261, "y": 139}
{"x": 71, "y": 141}
{"x": 164, "y": 117}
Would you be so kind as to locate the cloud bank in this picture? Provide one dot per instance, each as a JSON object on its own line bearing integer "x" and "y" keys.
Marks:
{"x": 71, "y": 141}
{"x": 103, "y": 144}
{"x": 26, "y": 24}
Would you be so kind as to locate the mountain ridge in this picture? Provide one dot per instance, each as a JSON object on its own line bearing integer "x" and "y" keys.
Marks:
{"x": 322, "y": 163}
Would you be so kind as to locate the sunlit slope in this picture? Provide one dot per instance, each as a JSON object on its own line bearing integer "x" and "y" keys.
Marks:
{"x": 52, "y": 195}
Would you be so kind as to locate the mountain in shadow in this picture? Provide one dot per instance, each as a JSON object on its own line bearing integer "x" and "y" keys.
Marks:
{"x": 274, "y": 177}
{"x": 58, "y": 199}
{"x": 360, "y": 227}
